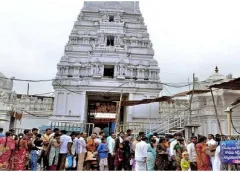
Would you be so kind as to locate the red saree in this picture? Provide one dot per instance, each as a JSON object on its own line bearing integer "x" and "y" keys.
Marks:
{"x": 5, "y": 152}
{"x": 19, "y": 159}
{"x": 201, "y": 148}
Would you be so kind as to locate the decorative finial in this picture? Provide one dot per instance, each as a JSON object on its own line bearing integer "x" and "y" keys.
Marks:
{"x": 216, "y": 69}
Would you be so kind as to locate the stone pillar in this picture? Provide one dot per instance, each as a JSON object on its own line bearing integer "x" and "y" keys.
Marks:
{"x": 83, "y": 107}
{"x": 129, "y": 109}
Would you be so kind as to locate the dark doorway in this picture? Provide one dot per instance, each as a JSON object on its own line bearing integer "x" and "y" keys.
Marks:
{"x": 111, "y": 18}
{"x": 108, "y": 71}
{"x": 110, "y": 40}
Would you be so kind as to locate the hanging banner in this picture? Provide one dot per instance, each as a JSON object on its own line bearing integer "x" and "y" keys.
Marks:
{"x": 230, "y": 152}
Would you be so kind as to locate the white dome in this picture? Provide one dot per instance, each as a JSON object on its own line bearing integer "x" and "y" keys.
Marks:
{"x": 5, "y": 84}
{"x": 2, "y": 76}
{"x": 216, "y": 76}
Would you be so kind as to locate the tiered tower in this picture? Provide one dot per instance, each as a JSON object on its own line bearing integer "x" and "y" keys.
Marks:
{"x": 109, "y": 51}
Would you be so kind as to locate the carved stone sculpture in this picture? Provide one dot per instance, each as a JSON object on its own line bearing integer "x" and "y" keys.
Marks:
{"x": 80, "y": 16}
{"x": 105, "y": 17}
{"x": 121, "y": 68}
{"x": 97, "y": 67}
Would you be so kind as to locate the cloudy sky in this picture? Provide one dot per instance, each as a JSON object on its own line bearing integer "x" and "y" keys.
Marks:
{"x": 188, "y": 37}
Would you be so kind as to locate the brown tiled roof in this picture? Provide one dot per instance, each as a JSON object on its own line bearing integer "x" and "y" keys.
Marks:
{"x": 230, "y": 85}
{"x": 146, "y": 101}
{"x": 185, "y": 93}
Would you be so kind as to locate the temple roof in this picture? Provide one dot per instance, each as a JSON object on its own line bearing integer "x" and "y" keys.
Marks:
{"x": 2, "y": 75}
{"x": 216, "y": 76}
{"x": 5, "y": 84}
{"x": 126, "y": 6}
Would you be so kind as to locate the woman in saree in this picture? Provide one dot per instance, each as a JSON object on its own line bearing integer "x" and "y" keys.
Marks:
{"x": 180, "y": 148}
{"x": 203, "y": 160}
{"x": 7, "y": 146}
{"x": 151, "y": 155}
{"x": 20, "y": 153}
{"x": 54, "y": 150}
{"x": 162, "y": 156}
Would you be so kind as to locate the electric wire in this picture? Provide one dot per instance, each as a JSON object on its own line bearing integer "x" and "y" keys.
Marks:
{"x": 233, "y": 125}
{"x": 35, "y": 115}
{"x": 48, "y": 80}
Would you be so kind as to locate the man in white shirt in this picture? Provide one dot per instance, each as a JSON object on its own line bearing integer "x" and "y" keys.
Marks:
{"x": 81, "y": 150}
{"x": 141, "y": 155}
{"x": 192, "y": 153}
{"x": 212, "y": 145}
{"x": 111, "y": 146}
{"x": 65, "y": 148}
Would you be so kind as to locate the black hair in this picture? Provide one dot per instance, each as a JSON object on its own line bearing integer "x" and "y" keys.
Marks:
{"x": 180, "y": 140}
{"x": 155, "y": 134}
{"x": 48, "y": 129}
{"x": 141, "y": 133}
{"x": 178, "y": 134}
{"x": 73, "y": 134}
{"x": 39, "y": 135}
{"x": 152, "y": 141}
{"x": 128, "y": 130}
{"x": 121, "y": 132}
{"x": 211, "y": 135}
{"x": 63, "y": 131}
{"x": 26, "y": 131}
{"x": 169, "y": 136}
{"x": 7, "y": 135}
{"x": 1, "y": 129}
{"x": 201, "y": 139}
{"x": 34, "y": 129}
{"x": 104, "y": 138}
{"x": 193, "y": 137}
{"x": 20, "y": 136}
{"x": 144, "y": 138}
{"x": 55, "y": 130}
{"x": 161, "y": 140}
{"x": 218, "y": 139}
{"x": 101, "y": 132}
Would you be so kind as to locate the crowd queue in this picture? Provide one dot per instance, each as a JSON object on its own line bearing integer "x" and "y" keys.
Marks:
{"x": 56, "y": 150}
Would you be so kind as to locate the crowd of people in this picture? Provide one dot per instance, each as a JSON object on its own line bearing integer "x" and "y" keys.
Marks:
{"x": 58, "y": 150}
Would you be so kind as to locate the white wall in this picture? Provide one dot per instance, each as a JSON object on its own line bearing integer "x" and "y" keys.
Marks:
{"x": 29, "y": 122}
{"x": 70, "y": 104}
{"x": 145, "y": 111}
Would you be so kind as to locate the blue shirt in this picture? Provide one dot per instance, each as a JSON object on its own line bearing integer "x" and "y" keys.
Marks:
{"x": 2, "y": 135}
{"x": 102, "y": 151}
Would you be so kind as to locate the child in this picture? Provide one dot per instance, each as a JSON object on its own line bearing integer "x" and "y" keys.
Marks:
{"x": 103, "y": 155}
{"x": 185, "y": 163}
{"x": 118, "y": 161}
{"x": 133, "y": 162}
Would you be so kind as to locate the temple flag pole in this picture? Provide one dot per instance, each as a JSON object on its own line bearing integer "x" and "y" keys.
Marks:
{"x": 215, "y": 108}
{"x": 118, "y": 113}
{"x": 191, "y": 99}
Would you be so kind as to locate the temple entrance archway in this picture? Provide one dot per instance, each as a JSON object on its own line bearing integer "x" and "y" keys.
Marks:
{"x": 102, "y": 110}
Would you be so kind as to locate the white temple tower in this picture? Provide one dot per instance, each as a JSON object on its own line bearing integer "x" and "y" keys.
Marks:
{"x": 109, "y": 51}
